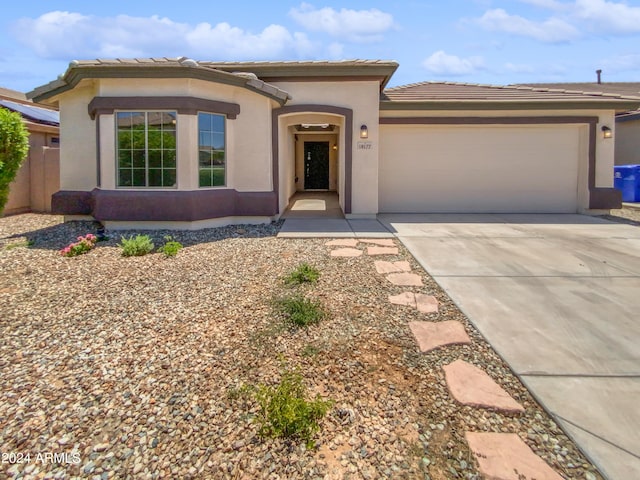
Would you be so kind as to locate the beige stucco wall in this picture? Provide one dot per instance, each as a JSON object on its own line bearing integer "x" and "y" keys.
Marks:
{"x": 38, "y": 177}
{"x": 627, "y": 142}
{"x": 78, "y": 169}
{"x": 363, "y": 98}
{"x": 248, "y": 137}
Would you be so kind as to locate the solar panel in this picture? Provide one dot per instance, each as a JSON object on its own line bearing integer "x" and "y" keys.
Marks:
{"x": 33, "y": 112}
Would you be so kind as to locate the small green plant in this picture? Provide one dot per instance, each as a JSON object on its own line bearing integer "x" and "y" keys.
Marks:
{"x": 136, "y": 246}
{"x": 82, "y": 246}
{"x": 304, "y": 273}
{"x": 310, "y": 351}
{"x": 301, "y": 311}
{"x": 23, "y": 243}
{"x": 285, "y": 411}
{"x": 171, "y": 247}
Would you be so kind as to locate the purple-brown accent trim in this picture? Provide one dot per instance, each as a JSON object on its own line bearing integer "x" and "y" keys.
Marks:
{"x": 98, "y": 169}
{"x": 165, "y": 206}
{"x": 67, "y": 202}
{"x": 183, "y": 105}
{"x": 347, "y": 113}
{"x": 599, "y": 197}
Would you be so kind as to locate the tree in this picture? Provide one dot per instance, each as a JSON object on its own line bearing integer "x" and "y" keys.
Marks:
{"x": 14, "y": 146}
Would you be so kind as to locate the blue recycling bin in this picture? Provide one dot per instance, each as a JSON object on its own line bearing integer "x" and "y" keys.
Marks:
{"x": 626, "y": 178}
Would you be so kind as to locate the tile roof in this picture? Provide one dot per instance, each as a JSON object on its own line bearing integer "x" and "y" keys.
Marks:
{"x": 14, "y": 94}
{"x": 79, "y": 69}
{"x": 433, "y": 91}
{"x": 620, "y": 88}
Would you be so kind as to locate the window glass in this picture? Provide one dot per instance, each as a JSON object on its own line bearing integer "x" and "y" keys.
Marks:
{"x": 211, "y": 150}
{"x": 146, "y": 149}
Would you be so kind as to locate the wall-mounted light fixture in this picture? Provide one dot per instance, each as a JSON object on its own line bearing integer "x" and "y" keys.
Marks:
{"x": 364, "y": 132}
{"x": 335, "y": 147}
{"x": 606, "y": 132}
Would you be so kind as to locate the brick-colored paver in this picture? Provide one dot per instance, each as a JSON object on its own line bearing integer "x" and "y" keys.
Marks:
{"x": 506, "y": 456}
{"x": 432, "y": 335}
{"x": 343, "y": 242}
{"x": 470, "y": 385}
{"x": 382, "y": 250}
{"x": 426, "y": 303}
{"x": 383, "y": 242}
{"x": 392, "y": 267}
{"x": 405, "y": 279}
{"x": 405, "y": 298}
{"x": 346, "y": 252}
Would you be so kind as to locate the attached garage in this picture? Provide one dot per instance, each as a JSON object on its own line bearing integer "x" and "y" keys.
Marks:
{"x": 479, "y": 168}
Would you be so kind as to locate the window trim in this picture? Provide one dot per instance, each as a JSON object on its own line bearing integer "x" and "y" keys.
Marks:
{"x": 226, "y": 157}
{"x": 117, "y": 151}
{"x": 181, "y": 105}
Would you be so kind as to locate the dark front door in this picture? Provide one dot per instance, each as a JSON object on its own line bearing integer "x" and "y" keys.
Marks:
{"x": 316, "y": 165}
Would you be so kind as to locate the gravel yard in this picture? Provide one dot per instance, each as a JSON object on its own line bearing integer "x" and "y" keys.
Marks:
{"x": 132, "y": 366}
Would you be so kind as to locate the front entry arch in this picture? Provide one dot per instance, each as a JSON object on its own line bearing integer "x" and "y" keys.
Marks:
{"x": 281, "y": 137}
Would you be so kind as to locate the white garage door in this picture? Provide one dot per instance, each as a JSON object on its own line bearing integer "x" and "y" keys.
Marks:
{"x": 483, "y": 169}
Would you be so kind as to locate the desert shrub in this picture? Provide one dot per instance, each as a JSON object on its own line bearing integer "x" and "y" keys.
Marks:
{"x": 170, "y": 247}
{"x": 82, "y": 246}
{"x": 285, "y": 410}
{"x": 136, "y": 246}
{"x": 14, "y": 146}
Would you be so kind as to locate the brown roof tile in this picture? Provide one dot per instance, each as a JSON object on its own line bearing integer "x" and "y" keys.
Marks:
{"x": 616, "y": 88}
{"x": 443, "y": 91}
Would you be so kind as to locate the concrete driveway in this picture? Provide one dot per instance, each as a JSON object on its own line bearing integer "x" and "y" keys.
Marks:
{"x": 558, "y": 296}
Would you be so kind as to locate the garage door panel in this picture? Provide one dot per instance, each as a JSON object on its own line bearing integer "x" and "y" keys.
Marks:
{"x": 478, "y": 169}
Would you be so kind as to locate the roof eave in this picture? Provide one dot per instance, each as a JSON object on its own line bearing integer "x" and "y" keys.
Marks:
{"x": 75, "y": 74}
{"x": 383, "y": 71}
{"x": 619, "y": 105}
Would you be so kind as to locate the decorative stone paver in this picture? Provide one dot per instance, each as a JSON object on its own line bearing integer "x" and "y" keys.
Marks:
{"x": 432, "y": 335}
{"x": 405, "y": 279}
{"x": 383, "y": 242}
{"x": 506, "y": 456}
{"x": 346, "y": 252}
{"x": 405, "y": 298}
{"x": 382, "y": 250}
{"x": 426, "y": 303}
{"x": 343, "y": 242}
{"x": 392, "y": 267}
{"x": 470, "y": 385}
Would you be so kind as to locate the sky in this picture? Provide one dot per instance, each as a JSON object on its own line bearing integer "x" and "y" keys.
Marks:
{"x": 476, "y": 41}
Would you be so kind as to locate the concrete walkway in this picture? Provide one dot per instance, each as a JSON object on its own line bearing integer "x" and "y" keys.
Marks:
{"x": 333, "y": 228}
{"x": 558, "y": 296}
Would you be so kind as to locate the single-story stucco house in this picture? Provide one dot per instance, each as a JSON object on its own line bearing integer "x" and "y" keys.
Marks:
{"x": 179, "y": 143}
{"x": 627, "y": 124}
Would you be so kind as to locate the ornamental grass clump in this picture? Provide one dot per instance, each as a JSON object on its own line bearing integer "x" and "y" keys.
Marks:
{"x": 82, "y": 246}
{"x": 301, "y": 311}
{"x": 136, "y": 246}
{"x": 304, "y": 273}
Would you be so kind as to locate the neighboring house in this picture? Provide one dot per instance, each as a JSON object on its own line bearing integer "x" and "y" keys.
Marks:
{"x": 177, "y": 143}
{"x": 38, "y": 178}
{"x": 627, "y": 125}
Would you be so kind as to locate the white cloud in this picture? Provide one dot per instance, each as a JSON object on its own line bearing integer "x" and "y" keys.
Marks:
{"x": 609, "y": 17}
{"x": 353, "y": 25}
{"x": 548, "y": 4}
{"x": 519, "y": 68}
{"x": 553, "y": 30}
{"x": 440, "y": 63}
{"x": 622, "y": 63}
{"x": 67, "y": 35}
